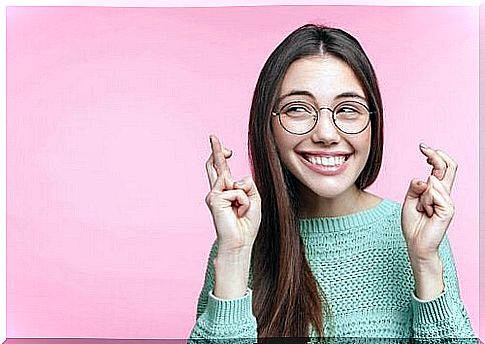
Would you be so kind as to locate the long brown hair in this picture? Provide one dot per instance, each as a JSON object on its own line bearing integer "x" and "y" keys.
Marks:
{"x": 287, "y": 298}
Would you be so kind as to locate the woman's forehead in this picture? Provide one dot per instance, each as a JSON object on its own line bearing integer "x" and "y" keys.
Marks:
{"x": 323, "y": 77}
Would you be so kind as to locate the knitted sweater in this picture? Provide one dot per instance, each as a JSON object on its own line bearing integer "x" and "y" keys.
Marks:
{"x": 361, "y": 263}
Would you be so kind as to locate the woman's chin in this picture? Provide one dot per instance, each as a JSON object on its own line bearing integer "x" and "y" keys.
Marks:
{"x": 329, "y": 194}
{"x": 330, "y": 191}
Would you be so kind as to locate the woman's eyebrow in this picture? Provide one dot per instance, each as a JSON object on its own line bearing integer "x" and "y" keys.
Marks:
{"x": 309, "y": 94}
{"x": 296, "y": 93}
{"x": 350, "y": 95}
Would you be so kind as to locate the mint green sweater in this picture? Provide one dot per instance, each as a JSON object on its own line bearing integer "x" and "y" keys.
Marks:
{"x": 361, "y": 263}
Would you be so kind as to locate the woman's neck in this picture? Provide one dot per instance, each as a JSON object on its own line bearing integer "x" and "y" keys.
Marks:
{"x": 349, "y": 202}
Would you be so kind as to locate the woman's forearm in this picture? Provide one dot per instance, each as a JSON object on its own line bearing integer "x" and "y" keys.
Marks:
{"x": 428, "y": 277}
{"x": 231, "y": 272}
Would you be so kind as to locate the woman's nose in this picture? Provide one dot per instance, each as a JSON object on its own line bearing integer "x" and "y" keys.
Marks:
{"x": 325, "y": 130}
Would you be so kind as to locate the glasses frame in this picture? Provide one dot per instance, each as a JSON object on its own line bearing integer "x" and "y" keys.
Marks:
{"x": 318, "y": 112}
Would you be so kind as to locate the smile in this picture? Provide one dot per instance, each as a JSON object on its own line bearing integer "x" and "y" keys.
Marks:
{"x": 326, "y": 165}
{"x": 330, "y": 161}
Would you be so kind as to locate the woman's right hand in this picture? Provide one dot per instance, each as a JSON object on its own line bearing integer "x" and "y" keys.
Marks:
{"x": 235, "y": 206}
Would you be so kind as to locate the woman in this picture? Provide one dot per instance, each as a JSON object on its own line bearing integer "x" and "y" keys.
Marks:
{"x": 304, "y": 250}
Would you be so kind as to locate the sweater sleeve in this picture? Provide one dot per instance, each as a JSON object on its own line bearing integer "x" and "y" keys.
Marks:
{"x": 444, "y": 316}
{"x": 222, "y": 321}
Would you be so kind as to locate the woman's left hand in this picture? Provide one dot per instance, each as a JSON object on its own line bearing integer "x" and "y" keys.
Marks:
{"x": 428, "y": 208}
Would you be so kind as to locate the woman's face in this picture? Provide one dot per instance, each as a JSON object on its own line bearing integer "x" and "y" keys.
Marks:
{"x": 325, "y": 160}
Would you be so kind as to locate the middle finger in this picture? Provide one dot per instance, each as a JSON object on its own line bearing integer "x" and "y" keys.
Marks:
{"x": 220, "y": 162}
{"x": 450, "y": 169}
{"x": 210, "y": 167}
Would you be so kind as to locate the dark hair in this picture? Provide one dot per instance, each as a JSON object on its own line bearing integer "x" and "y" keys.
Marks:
{"x": 287, "y": 298}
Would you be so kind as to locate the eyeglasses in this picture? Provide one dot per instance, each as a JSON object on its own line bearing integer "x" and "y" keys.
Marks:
{"x": 299, "y": 117}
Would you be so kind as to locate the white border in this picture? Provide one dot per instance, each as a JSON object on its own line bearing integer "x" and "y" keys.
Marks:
{"x": 222, "y": 3}
{"x": 3, "y": 175}
{"x": 147, "y": 3}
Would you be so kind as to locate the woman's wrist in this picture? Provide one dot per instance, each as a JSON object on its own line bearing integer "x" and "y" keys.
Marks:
{"x": 428, "y": 277}
{"x": 231, "y": 275}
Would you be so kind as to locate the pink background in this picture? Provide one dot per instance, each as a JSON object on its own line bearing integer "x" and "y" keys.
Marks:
{"x": 108, "y": 116}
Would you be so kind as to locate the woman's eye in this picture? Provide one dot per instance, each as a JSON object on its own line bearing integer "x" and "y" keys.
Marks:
{"x": 297, "y": 109}
{"x": 348, "y": 110}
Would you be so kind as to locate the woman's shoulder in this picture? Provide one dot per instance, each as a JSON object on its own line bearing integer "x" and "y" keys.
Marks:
{"x": 383, "y": 213}
{"x": 385, "y": 205}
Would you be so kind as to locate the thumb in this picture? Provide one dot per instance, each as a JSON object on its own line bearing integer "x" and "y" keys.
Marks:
{"x": 416, "y": 188}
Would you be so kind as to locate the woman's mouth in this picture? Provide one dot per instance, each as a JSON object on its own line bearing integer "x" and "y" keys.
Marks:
{"x": 327, "y": 165}
{"x": 327, "y": 161}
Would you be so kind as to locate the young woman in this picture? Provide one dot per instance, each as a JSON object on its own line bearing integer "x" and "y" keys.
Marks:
{"x": 304, "y": 250}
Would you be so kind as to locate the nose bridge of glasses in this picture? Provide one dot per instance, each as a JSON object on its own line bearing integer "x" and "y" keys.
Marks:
{"x": 325, "y": 108}
{"x": 326, "y": 120}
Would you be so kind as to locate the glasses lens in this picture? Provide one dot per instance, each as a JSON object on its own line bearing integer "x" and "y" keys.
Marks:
{"x": 351, "y": 117}
{"x": 298, "y": 117}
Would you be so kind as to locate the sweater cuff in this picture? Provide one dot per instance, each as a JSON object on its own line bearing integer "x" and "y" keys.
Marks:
{"x": 434, "y": 310}
{"x": 230, "y": 311}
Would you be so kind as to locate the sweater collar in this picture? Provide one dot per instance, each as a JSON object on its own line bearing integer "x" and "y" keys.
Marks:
{"x": 322, "y": 225}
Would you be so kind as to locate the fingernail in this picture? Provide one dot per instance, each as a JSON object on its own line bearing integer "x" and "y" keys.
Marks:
{"x": 422, "y": 145}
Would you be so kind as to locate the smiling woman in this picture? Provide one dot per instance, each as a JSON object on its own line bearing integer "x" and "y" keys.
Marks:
{"x": 324, "y": 184}
{"x": 304, "y": 250}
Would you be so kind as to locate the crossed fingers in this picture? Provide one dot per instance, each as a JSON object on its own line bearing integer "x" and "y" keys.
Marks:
{"x": 444, "y": 167}
{"x": 440, "y": 182}
{"x": 217, "y": 167}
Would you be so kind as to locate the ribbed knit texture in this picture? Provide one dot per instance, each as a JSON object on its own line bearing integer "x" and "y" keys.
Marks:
{"x": 362, "y": 265}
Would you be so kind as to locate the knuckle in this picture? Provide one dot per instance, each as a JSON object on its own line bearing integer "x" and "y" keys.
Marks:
{"x": 241, "y": 193}
{"x": 209, "y": 159}
{"x": 443, "y": 153}
{"x": 427, "y": 197}
{"x": 451, "y": 211}
{"x": 208, "y": 198}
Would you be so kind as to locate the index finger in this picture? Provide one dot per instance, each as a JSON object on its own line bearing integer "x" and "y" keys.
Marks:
{"x": 220, "y": 162}
{"x": 434, "y": 159}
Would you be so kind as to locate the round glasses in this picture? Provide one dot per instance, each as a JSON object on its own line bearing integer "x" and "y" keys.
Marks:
{"x": 299, "y": 117}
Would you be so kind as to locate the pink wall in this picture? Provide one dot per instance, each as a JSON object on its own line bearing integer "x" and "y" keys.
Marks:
{"x": 109, "y": 112}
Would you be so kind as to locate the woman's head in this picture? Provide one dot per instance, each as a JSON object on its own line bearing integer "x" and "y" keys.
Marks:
{"x": 328, "y": 50}
{"x": 321, "y": 129}
{"x": 287, "y": 299}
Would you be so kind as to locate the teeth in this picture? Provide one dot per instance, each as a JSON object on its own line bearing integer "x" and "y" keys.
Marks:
{"x": 327, "y": 161}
